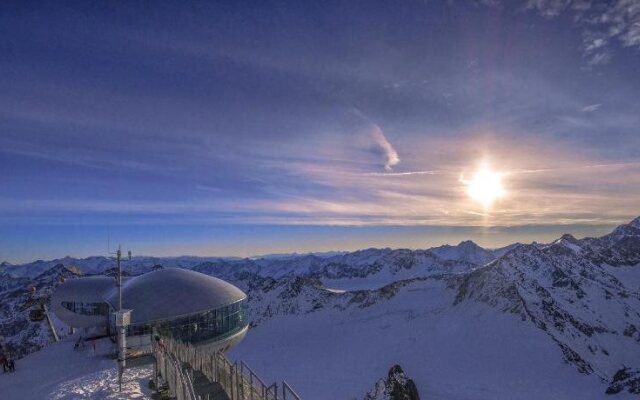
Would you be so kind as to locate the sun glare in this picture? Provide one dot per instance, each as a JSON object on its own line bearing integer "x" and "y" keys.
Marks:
{"x": 485, "y": 187}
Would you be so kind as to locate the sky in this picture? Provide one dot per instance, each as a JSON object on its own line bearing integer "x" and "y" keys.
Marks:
{"x": 241, "y": 128}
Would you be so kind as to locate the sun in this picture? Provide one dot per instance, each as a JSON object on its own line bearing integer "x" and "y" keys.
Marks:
{"x": 486, "y": 186}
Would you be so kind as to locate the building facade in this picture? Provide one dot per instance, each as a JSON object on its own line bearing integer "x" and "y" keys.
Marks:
{"x": 186, "y": 305}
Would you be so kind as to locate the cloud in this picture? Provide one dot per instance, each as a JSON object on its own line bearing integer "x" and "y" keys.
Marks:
{"x": 548, "y": 8}
{"x": 87, "y": 159}
{"x": 602, "y": 22}
{"x": 406, "y": 173}
{"x": 591, "y": 107}
{"x": 599, "y": 58}
{"x": 209, "y": 188}
{"x": 370, "y": 131}
{"x": 546, "y": 183}
{"x": 391, "y": 157}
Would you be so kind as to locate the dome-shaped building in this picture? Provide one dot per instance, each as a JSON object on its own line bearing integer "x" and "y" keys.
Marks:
{"x": 80, "y": 302}
{"x": 187, "y": 305}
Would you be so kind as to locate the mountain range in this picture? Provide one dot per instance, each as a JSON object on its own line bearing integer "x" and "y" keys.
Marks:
{"x": 559, "y": 320}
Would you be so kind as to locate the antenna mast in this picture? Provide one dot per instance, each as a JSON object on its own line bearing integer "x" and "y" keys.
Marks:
{"x": 123, "y": 318}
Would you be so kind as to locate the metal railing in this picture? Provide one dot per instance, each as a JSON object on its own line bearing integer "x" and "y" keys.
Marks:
{"x": 177, "y": 361}
{"x": 288, "y": 393}
{"x": 177, "y": 378}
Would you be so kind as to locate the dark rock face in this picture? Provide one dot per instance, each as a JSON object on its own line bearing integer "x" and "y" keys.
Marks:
{"x": 627, "y": 379}
{"x": 402, "y": 388}
{"x": 395, "y": 387}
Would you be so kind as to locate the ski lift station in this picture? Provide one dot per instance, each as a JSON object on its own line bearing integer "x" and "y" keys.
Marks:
{"x": 186, "y": 305}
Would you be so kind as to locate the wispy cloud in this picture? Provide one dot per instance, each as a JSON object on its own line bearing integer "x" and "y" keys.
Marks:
{"x": 297, "y": 159}
{"x": 406, "y": 173}
{"x": 209, "y": 188}
{"x": 542, "y": 187}
{"x": 591, "y": 108}
{"x": 602, "y": 23}
{"x": 548, "y": 8}
{"x": 93, "y": 161}
{"x": 382, "y": 145}
{"x": 390, "y": 154}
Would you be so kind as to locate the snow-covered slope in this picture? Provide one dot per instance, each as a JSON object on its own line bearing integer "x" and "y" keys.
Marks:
{"x": 469, "y": 351}
{"x": 565, "y": 313}
{"x": 60, "y": 373}
{"x": 589, "y": 313}
{"x": 528, "y": 321}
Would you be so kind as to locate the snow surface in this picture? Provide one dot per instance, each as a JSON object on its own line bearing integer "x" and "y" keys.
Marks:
{"x": 462, "y": 353}
{"x": 524, "y": 326}
{"x": 630, "y": 275}
{"x": 344, "y": 285}
{"x": 59, "y": 372}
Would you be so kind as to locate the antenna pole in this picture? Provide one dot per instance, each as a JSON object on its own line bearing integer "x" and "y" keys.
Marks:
{"x": 123, "y": 318}
{"x": 118, "y": 257}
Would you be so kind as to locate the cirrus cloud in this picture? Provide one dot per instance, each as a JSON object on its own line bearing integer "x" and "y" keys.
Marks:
{"x": 603, "y": 23}
{"x": 391, "y": 157}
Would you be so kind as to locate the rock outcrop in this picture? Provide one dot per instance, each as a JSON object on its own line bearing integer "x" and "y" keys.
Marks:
{"x": 397, "y": 386}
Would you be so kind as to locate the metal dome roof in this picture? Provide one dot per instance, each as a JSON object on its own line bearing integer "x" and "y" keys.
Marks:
{"x": 84, "y": 290}
{"x": 89, "y": 290}
{"x": 173, "y": 292}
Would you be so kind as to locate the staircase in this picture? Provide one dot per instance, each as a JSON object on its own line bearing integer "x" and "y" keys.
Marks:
{"x": 185, "y": 372}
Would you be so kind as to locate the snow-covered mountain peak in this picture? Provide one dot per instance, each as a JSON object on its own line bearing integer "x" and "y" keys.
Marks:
{"x": 566, "y": 242}
{"x": 567, "y": 237}
{"x": 635, "y": 223}
{"x": 466, "y": 251}
{"x": 631, "y": 229}
{"x": 59, "y": 271}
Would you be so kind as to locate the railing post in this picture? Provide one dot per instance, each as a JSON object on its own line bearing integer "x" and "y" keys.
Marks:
{"x": 242, "y": 382}
{"x": 165, "y": 375}
{"x": 175, "y": 377}
{"x": 234, "y": 383}
{"x": 251, "y": 384}
{"x": 238, "y": 382}
{"x": 215, "y": 368}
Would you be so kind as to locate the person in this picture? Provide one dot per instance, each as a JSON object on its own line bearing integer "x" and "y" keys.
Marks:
{"x": 3, "y": 361}
{"x": 12, "y": 365}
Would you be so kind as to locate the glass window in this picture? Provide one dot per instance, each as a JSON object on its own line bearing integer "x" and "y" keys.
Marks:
{"x": 207, "y": 325}
{"x": 86, "y": 308}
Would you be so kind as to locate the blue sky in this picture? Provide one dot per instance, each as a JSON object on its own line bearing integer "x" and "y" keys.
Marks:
{"x": 239, "y": 129}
